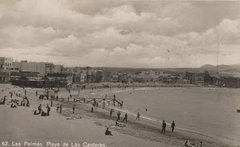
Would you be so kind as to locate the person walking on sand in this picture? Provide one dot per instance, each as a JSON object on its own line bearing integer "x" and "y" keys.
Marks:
{"x": 138, "y": 116}
{"x": 125, "y": 118}
{"x": 74, "y": 108}
{"x": 173, "y": 126}
{"x": 164, "y": 126}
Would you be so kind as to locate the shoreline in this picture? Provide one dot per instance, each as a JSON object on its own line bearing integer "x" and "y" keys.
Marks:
{"x": 105, "y": 85}
{"x": 102, "y": 118}
{"x": 140, "y": 129}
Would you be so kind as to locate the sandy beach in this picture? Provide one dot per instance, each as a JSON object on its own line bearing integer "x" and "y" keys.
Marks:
{"x": 19, "y": 125}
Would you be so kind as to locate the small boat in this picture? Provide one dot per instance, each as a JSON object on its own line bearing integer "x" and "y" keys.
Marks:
{"x": 238, "y": 110}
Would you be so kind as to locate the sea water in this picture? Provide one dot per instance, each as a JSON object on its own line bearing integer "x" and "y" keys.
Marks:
{"x": 210, "y": 111}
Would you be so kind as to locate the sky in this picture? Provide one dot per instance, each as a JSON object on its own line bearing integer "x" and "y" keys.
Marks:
{"x": 121, "y": 33}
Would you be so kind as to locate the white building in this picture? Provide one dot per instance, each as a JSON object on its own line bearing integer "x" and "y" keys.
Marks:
{"x": 6, "y": 63}
{"x": 40, "y": 67}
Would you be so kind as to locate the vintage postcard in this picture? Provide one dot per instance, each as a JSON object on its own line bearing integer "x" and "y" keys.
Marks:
{"x": 119, "y": 73}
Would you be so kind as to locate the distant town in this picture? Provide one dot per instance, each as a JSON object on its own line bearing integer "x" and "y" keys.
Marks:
{"x": 45, "y": 74}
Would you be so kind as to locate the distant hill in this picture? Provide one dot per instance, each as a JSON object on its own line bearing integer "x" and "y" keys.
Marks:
{"x": 221, "y": 67}
{"x": 209, "y": 67}
{"x": 230, "y": 70}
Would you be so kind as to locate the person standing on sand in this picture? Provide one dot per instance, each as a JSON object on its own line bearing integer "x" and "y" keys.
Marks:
{"x": 103, "y": 104}
{"x": 48, "y": 110}
{"x": 74, "y": 108}
{"x": 60, "y": 108}
{"x": 57, "y": 107}
{"x": 164, "y": 126}
{"x": 118, "y": 115}
{"x": 138, "y": 116}
{"x": 173, "y": 126}
{"x": 111, "y": 112}
{"x": 92, "y": 109}
{"x": 125, "y": 118}
{"x": 114, "y": 99}
{"x": 4, "y": 100}
{"x": 121, "y": 105}
{"x": 40, "y": 108}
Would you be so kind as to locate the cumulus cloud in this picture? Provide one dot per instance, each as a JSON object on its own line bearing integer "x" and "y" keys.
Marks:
{"x": 119, "y": 33}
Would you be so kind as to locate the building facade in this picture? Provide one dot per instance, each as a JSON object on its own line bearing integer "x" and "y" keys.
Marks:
{"x": 6, "y": 63}
{"x": 4, "y": 76}
{"x": 40, "y": 67}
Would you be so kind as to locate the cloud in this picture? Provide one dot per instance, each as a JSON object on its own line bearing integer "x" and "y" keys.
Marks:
{"x": 226, "y": 32}
{"x": 26, "y": 36}
{"x": 119, "y": 33}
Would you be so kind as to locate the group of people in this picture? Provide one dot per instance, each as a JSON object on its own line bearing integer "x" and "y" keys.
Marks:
{"x": 41, "y": 112}
{"x": 125, "y": 118}
{"x": 189, "y": 144}
{"x": 115, "y": 100}
{"x": 15, "y": 101}
{"x": 164, "y": 125}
